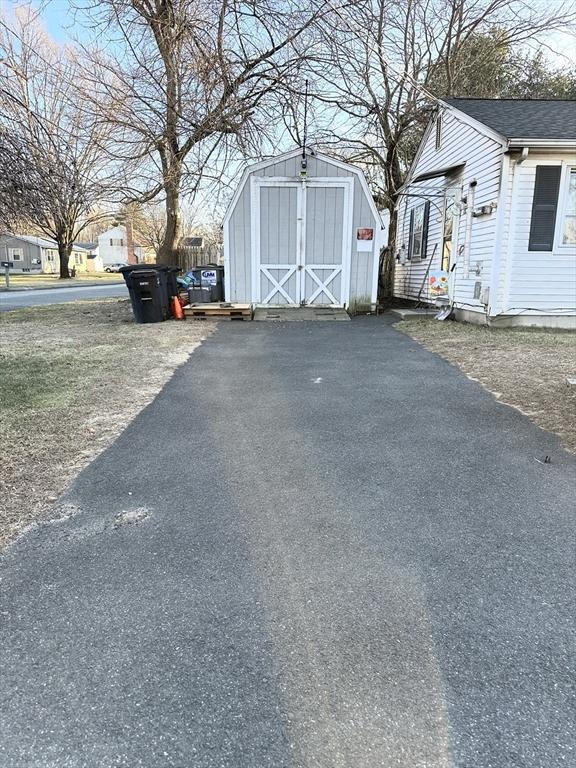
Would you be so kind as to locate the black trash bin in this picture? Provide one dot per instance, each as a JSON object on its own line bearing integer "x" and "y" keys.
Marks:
{"x": 200, "y": 295}
{"x": 172, "y": 283}
{"x": 210, "y": 279}
{"x": 146, "y": 294}
{"x": 166, "y": 280}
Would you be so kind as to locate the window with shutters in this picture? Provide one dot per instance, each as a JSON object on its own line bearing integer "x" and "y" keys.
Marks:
{"x": 544, "y": 207}
{"x": 568, "y": 218}
{"x": 418, "y": 231}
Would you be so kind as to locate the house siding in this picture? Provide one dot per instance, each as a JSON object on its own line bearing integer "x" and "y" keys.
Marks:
{"x": 542, "y": 281}
{"x": 482, "y": 154}
{"x": 31, "y": 253}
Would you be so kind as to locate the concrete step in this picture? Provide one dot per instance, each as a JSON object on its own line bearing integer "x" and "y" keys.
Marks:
{"x": 412, "y": 313}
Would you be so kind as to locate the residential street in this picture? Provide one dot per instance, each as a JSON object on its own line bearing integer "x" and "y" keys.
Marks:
{"x": 32, "y": 298}
{"x": 321, "y": 546}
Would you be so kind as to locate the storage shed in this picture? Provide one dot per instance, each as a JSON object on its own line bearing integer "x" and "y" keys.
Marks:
{"x": 302, "y": 229}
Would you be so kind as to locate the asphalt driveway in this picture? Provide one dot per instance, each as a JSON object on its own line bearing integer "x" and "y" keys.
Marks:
{"x": 320, "y": 547}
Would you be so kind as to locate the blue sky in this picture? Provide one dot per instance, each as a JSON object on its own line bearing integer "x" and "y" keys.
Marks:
{"x": 59, "y": 21}
{"x": 57, "y": 17}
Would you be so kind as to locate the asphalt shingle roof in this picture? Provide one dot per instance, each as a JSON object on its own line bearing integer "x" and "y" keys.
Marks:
{"x": 523, "y": 118}
{"x": 43, "y": 242}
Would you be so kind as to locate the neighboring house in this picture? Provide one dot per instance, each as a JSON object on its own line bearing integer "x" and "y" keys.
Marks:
{"x": 94, "y": 260}
{"x": 36, "y": 255}
{"x": 117, "y": 246}
{"x": 487, "y": 216}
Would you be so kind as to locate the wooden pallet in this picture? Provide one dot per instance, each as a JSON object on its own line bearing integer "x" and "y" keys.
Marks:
{"x": 223, "y": 311}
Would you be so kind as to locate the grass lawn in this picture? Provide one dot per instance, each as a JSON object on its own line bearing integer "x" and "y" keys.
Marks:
{"x": 53, "y": 281}
{"x": 71, "y": 378}
{"x": 524, "y": 367}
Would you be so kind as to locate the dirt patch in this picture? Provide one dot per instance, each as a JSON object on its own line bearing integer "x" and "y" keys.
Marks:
{"x": 524, "y": 367}
{"x": 72, "y": 376}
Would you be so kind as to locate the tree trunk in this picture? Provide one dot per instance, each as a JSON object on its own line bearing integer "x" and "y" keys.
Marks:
{"x": 388, "y": 260}
{"x": 167, "y": 253}
{"x": 64, "y": 251}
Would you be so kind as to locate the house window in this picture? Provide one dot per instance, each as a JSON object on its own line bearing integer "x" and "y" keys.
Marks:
{"x": 419, "y": 217}
{"x": 16, "y": 254}
{"x": 438, "y": 131}
{"x": 122, "y": 242}
{"x": 49, "y": 255}
{"x": 78, "y": 258}
{"x": 569, "y": 213}
{"x": 544, "y": 207}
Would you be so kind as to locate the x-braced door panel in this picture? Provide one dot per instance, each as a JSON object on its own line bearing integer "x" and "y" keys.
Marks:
{"x": 323, "y": 268}
{"x": 279, "y": 281}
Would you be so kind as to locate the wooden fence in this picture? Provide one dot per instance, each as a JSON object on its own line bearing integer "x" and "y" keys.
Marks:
{"x": 189, "y": 256}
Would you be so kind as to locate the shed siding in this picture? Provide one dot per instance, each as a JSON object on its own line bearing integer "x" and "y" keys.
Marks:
{"x": 539, "y": 280}
{"x": 482, "y": 156}
{"x": 239, "y": 227}
{"x": 240, "y": 282}
{"x": 361, "y": 266}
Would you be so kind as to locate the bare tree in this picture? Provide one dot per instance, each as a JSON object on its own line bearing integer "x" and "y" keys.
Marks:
{"x": 53, "y": 146}
{"x": 17, "y": 193}
{"x": 185, "y": 80}
{"x": 383, "y": 64}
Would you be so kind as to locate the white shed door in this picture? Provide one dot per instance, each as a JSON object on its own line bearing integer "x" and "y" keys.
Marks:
{"x": 278, "y": 268}
{"x": 323, "y": 253}
{"x": 303, "y": 241}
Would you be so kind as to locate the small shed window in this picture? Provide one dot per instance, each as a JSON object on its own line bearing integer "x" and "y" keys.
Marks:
{"x": 417, "y": 243}
{"x": 16, "y": 254}
{"x": 439, "y": 131}
{"x": 49, "y": 255}
{"x": 78, "y": 258}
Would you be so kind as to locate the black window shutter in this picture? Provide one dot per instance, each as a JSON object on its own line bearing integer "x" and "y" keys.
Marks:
{"x": 411, "y": 234}
{"x": 423, "y": 253}
{"x": 544, "y": 206}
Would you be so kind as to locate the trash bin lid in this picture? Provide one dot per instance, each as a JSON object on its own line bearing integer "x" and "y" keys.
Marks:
{"x": 143, "y": 266}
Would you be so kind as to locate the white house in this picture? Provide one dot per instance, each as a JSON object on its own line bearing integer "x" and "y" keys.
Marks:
{"x": 115, "y": 246}
{"x": 487, "y": 216}
{"x": 302, "y": 229}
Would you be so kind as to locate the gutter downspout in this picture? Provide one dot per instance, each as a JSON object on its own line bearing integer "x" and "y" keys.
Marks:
{"x": 503, "y": 211}
{"x": 523, "y": 156}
